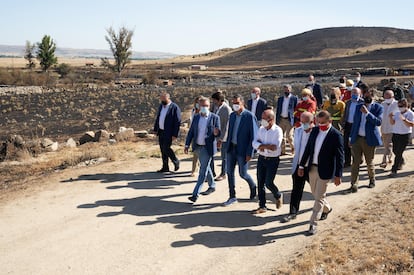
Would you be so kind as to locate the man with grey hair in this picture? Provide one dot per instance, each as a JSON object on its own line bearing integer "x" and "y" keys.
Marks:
{"x": 390, "y": 106}
{"x": 167, "y": 127}
{"x": 285, "y": 116}
{"x": 256, "y": 104}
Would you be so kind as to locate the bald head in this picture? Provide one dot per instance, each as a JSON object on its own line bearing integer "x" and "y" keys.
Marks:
{"x": 306, "y": 117}
{"x": 269, "y": 116}
{"x": 388, "y": 94}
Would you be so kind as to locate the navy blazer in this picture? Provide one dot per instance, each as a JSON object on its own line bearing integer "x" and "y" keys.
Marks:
{"x": 172, "y": 121}
{"x": 213, "y": 121}
{"x": 318, "y": 94}
{"x": 261, "y": 106}
{"x": 293, "y": 101}
{"x": 245, "y": 134}
{"x": 374, "y": 119}
{"x": 331, "y": 155}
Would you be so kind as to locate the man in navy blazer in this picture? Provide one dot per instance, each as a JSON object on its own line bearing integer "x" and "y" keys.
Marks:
{"x": 324, "y": 156}
{"x": 365, "y": 137}
{"x": 167, "y": 127}
{"x": 284, "y": 116}
{"x": 202, "y": 135}
{"x": 240, "y": 135}
{"x": 316, "y": 90}
{"x": 256, "y": 104}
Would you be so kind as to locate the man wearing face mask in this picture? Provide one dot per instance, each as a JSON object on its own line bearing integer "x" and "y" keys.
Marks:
{"x": 240, "y": 135}
{"x": 324, "y": 155}
{"x": 305, "y": 105}
{"x": 202, "y": 135}
{"x": 301, "y": 138}
{"x": 348, "y": 120}
{"x": 365, "y": 137}
{"x": 256, "y": 104}
{"x": 403, "y": 122}
{"x": 390, "y": 106}
{"x": 316, "y": 90}
{"x": 167, "y": 127}
{"x": 285, "y": 116}
{"x": 335, "y": 107}
{"x": 267, "y": 143}
{"x": 358, "y": 80}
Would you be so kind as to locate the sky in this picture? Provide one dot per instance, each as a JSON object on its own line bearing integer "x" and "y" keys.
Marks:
{"x": 189, "y": 27}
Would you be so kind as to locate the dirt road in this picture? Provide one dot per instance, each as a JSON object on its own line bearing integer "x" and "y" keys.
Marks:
{"x": 122, "y": 218}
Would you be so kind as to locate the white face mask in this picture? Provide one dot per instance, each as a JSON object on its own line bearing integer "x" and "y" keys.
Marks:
{"x": 253, "y": 95}
{"x": 236, "y": 107}
{"x": 388, "y": 100}
{"x": 264, "y": 123}
{"x": 402, "y": 109}
{"x": 358, "y": 79}
{"x": 204, "y": 111}
{"x": 349, "y": 88}
{"x": 305, "y": 98}
{"x": 305, "y": 126}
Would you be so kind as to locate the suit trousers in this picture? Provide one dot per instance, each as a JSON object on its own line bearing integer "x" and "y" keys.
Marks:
{"x": 195, "y": 161}
{"x": 287, "y": 130}
{"x": 347, "y": 149}
{"x": 205, "y": 171}
{"x": 266, "y": 172}
{"x": 318, "y": 188}
{"x": 165, "y": 143}
{"x": 387, "y": 141}
{"x": 358, "y": 148}
{"x": 297, "y": 190}
{"x": 223, "y": 159}
{"x": 399, "y": 142}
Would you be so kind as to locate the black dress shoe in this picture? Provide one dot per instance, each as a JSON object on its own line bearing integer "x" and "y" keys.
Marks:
{"x": 177, "y": 165}
{"x": 253, "y": 193}
{"x": 288, "y": 218}
{"x": 208, "y": 191}
{"x": 371, "y": 184}
{"x": 163, "y": 170}
{"x": 193, "y": 199}
{"x": 352, "y": 189}
{"x": 324, "y": 215}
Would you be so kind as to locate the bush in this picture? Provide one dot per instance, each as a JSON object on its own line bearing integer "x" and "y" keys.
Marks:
{"x": 63, "y": 69}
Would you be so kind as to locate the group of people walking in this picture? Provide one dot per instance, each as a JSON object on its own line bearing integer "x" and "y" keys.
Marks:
{"x": 324, "y": 137}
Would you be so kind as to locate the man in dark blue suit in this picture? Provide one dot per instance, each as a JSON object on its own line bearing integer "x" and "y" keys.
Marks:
{"x": 167, "y": 127}
{"x": 284, "y": 116}
{"x": 256, "y": 104}
{"x": 316, "y": 90}
{"x": 324, "y": 156}
{"x": 365, "y": 137}
{"x": 241, "y": 133}
{"x": 202, "y": 135}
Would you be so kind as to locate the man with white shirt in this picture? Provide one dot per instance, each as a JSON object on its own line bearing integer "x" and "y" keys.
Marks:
{"x": 324, "y": 155}
{"x": 390, "y": 106}
{"x": 285, "y": 116}
{"x": 256, "y": 104}
{"x": 267, "y": 143}
{"x": 301, "y": 138}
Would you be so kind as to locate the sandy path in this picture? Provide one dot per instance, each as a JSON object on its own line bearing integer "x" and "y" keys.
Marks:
{"x": 122, "y": 218}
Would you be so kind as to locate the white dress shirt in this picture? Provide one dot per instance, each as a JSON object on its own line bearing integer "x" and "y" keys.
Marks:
{"x": 361, "y": 130}
{"x": 163, "y": 114}
{"x": 386, "y": 127}
{"x": 352, "y": 107}
{"x": 399, "y": 126}
{"x": 318, "y": 144}
{"x": 202, "y": 130}
{"x": 272, "y": 136}
{"x": 303, "y": 142}
{"x": 254, "y": 105}
{"x": 285, "y": 106}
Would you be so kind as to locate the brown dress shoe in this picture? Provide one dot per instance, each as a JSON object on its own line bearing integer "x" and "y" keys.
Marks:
{"x": 259, "y": 210}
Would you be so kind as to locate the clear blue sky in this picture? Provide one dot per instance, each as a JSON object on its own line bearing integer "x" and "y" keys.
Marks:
{"x": 189, "y": 27}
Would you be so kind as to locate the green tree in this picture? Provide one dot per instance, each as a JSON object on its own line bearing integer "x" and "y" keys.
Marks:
{"x": 46, "y": 53}
{"x": 63, "y": 69}
{"x": 120, "y": 45}
{"x": 29, "y": 55}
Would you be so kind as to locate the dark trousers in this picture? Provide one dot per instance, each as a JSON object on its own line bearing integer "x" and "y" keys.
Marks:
{"x": 266, "y": 172}
{"x": 166, "y": 151}
{"x": 347, "y": 149}
{"x": 399, "y": 143}
{"x": 297, "y": 190}
{"x": 213, "y": 170}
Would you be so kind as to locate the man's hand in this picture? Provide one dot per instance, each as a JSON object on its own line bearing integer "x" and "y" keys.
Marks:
{"x": 219, "y": 143}
{"x": 248, "y": 158}
{"x": 338, "y": 181}
{"x": 364, "y": 109}
{"x": 174, "y": 138}
{"x": 186, "y": 150}
{"x": 301, "y": 172}
{"x": 391, "y": 115}
{"x": 216, "y": 131}
{"x": 402, "y": 117}
{"x": 271, "y": 147}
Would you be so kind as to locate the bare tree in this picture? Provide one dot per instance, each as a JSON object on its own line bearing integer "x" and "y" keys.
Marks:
{"x": 120, "y": 45}
{"x": 29, "y": 55}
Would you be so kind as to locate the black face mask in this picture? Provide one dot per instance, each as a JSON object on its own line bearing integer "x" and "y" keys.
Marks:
{"x": 333, "y": 96}
{"x": 287, "y": 93}
{"x": 367, "y": 99}
{"x": 164, "y": 102}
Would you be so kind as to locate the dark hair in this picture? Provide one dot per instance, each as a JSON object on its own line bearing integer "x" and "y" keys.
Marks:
{"x": 370, "y": 91}
{"x": 238, "y": 96}
{"x": 218, "y": 96}
{"x": 324, "y": 114}
{"x": 403, "y": 100}
{"x": 269, "y": 108}
{"x": 364, "y": 87}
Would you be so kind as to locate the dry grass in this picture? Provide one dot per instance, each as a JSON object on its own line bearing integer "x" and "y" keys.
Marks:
{"x": 377, "y": 237}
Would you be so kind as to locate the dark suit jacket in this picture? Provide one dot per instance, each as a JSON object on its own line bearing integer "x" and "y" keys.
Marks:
{"x": 293, "y": 101}
{"x": 213, "y": 121}
{"x": 245, "y": 134}
{"x": 331, "y": 155}
{"x": 261, "y": 106}
{"x": 374, "y": 119}
{"x": 346, "y": 113}
{"x": 318, "y": 94}
{"x": 172, "y": 121}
